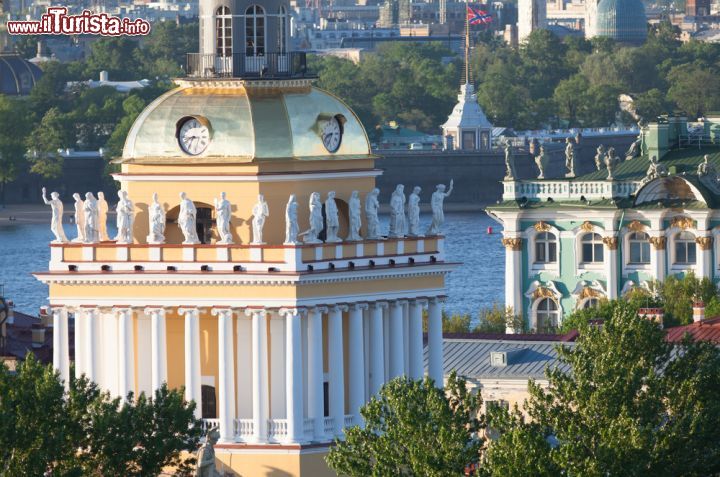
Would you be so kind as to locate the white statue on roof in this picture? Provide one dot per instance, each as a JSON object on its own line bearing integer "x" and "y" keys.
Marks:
{"x": 655, "y": 170}
{"x": 570, "y": 158}
{"x": 332, "y": 218}
{"x": 540, "y": 161}
{"x": 437, "y": 202}
{"x": 371, "y": 214}
{"x": 79, "y": 218}
{"x": 103, "y": 208}
{"x": 124, "y": 220}
{"x": 599, "y": 157}
{"x": 355, "y": 212}
{"x": 156, "y": 215}
{"x": 312, "y": 235}
{"x": 260, "y": 212}
{"x": 187, "y": 219}
{"x": 291, "y": 221}
{"x": 413, "y": 209}
{"x": 397, "y": 212}
{"x": 90, "y": 210}
{"x": 223, "y": 211}
{"x": 509, "y": 162}
{"x": 56, "y": 206}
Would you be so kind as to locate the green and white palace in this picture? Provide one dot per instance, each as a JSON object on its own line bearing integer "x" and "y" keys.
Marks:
{"x": 572, "y": 241}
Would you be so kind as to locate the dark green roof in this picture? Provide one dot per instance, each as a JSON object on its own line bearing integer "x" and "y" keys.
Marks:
{"x": 684, "y": 160}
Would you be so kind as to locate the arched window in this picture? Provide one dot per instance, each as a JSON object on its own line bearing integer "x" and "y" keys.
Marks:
{"x": 639, "y": 248}
{"x": 591, "y": 302}
{"x": 223, "y": 32}
{"x": 685, "y": 252}
{"x": 255, "y": 31}
{"x": 547, "y": 315}
{"x": 592, "y": 248}
{"x": 282, "y": 31}
{"x": 545, "y": 248}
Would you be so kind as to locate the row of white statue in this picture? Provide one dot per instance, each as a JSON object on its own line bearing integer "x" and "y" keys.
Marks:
{"x": 91, "y": 217}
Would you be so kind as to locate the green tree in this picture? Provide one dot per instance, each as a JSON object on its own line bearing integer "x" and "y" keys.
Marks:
{"x": 570, "y": 97}
{"x": 116, "y": 55}
{"x": 678, "y": 293}
{"x": 82, "y": 431}
{"x": 413, "y": 428}
{"x": 621, "y": 402}
{"x": 15, "y": 120}
{"x": 651, "y": 104}
{"x": 694, "y": 89}
{"x": 543, "y": 63}
{"x": 54, "y": 132}
{"x": 132, "y": 107}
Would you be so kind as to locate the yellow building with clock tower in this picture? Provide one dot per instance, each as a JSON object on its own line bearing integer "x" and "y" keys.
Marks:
{"x": 278, "y": 341}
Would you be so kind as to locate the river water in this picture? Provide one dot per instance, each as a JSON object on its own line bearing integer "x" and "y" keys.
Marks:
{"x": 477, "y": 283}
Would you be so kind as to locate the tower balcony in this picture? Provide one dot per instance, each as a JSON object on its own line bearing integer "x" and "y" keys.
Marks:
{"x": 246, "y": 258}
{"x": 240, "y": 65}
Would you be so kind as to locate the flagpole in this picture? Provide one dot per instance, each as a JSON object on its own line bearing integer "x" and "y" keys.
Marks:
{"x": 467, "y": 42}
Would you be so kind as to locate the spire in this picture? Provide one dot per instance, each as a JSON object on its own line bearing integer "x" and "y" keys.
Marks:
{"x": 467, "y": 44}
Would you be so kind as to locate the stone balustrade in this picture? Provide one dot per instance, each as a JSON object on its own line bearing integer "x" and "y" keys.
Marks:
{"x": 109, "y": 256}
{"x": 568, "y": 190}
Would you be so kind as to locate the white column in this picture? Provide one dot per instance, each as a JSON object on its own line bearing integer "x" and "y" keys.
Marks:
{"x": 293, "y": 375}
{"x": 416, "y": 339}
{"x": 245, "y": 395}
{"x": 126, "y": 356}
{"x": 79, "y": 340}
{"x": 611, "y": 267}
{"x": 513, "y": 276}
{"x": 277, "y": 360}
{"x": 91, "y": 358}
{"x": 397, "y": 351}
{"x": 158, "y": 343}
{"x": 226, "y": 373}
{"x": 336, "y": 365}
{"x": 259, "y": 375}
{"x": 192, "y": 358}
{"x": 356, "y": 360}
{"x": 316, "y": 396}
{"x": 377, "y": 343}
{"x": 704, "y": 256}
{"x": 61, "y": 360}
{"x": 657, "y": 257}
{"x": 435, "y": 342}
{"x": 406, "y": 338}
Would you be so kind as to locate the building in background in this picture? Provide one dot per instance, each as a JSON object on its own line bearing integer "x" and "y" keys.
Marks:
{"x": 622, "y": 20}
{"x": 571, "y": 241}
{"x": 467, "y": 128}
{"x": 17, "y": 76}
{"x": 532, "y": 15}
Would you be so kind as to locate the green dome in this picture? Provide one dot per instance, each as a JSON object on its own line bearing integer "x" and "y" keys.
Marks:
{"x": 622, "y": 20}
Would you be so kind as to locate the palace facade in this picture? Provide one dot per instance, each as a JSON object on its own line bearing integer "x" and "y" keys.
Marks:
{"x": 572, "y": 241}
{"x": 278, "y": 342}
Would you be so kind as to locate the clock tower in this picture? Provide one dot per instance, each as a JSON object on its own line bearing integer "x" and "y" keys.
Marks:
{"x": 278, "y": 336}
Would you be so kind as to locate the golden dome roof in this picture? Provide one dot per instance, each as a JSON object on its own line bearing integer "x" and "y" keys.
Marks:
{"x": 247, "y": 121}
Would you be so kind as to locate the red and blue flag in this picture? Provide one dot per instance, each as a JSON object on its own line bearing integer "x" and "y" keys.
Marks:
{"x": 475, "y": 16}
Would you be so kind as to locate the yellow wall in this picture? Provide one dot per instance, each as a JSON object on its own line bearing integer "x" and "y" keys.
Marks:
{"x": 175, "y": 349}
{"x": 242, "y": 195}
{"x": 275, "y": 464}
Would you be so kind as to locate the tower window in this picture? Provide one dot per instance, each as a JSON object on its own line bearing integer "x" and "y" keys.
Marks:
{"x": 282, "y": 31}
{"x": 223, "y": 32}
{"x": 255, "y": 31}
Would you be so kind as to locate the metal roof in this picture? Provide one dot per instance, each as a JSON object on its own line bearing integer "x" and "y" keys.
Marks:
{"x": 470, "y": 357}
{"x": 706, "y": 330}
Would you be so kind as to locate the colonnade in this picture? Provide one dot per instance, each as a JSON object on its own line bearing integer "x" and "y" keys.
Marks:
{"x": 283, "y": 373}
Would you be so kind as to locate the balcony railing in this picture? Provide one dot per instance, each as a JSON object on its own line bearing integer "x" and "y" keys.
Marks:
{"x": 241, "y": 65}
{"x": 136, "y": 258}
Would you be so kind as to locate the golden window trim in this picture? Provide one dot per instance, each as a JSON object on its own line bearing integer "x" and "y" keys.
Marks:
{"x": 705, "y": 243}
{"x": 682, "y": 222}
{"x": 587, "y": 226}
{"x": 541, "y": 226}
{"x": 658, "y": 243}
{"x": 610, "y": 242}
{"x": 636, "y": 226}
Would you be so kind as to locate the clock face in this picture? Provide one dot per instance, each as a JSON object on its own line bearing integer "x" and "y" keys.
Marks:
{"x": 193, "y": 136}
{"x": 331, "y": 134}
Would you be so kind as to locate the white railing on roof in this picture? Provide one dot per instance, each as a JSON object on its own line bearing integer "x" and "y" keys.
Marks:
{"x": 567, "y": 190}
{"x": 329, "y": 425}
{"x": 244, "y": 429}
{"x": 277, "y": 430}
{"x": 349, "y": 420}
{"x": 206, "y": 424}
